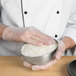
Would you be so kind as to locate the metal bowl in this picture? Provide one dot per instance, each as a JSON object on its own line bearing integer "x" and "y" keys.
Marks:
{"x": 40, "y": 60}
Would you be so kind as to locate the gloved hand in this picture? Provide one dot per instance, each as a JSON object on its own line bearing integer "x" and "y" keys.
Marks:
{"x": 29, "y": 35}
{"x": 57, "y": 56}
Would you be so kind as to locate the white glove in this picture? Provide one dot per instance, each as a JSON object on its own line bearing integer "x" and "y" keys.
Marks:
{"x": 29, "y": 35}
{"x": 57, "y": 56}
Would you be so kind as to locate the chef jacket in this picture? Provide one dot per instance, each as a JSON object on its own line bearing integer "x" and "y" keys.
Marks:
{"x": 56, "y": 18}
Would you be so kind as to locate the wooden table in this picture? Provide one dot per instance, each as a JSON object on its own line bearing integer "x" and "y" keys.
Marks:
{"x": 12, "y": 66}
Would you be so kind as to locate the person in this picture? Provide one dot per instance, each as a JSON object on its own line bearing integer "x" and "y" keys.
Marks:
{"x": 38, "y": 22}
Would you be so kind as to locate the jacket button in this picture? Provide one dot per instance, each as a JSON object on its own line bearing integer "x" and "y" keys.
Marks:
{"x": 56, "y": 36}
{"x": 25, "y": 12}
{"x": 58, "y": 12}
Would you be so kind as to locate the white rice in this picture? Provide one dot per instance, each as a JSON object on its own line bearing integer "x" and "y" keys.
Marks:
{"x": 34, "y": 51}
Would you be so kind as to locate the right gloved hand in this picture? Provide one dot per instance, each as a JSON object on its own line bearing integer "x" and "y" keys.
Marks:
{"x": 29, "y": 35}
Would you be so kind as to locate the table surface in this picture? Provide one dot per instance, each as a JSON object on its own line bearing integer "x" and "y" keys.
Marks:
{"x": 13, "y": 66}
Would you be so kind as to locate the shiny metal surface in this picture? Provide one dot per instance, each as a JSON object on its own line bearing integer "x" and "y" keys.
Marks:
{"x": 39, "y": 60}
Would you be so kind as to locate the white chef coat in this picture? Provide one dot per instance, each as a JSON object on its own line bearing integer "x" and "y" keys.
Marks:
{"x": 55, "y": 18}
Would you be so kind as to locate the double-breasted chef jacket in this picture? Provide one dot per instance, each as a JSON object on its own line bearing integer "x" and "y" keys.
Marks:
{"x": 56, "y": 18}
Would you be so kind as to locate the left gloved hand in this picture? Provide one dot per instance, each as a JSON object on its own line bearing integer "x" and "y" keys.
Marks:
{"x": 56, "y": 57}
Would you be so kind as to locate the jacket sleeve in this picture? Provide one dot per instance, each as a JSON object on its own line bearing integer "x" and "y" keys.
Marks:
{"x": 70, "y": 30}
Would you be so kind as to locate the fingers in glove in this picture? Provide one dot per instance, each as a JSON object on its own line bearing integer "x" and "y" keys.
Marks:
{"x": 37, "y": 36}
{"x": 28, "y": 65}
{"x": 58, "y": 55}
{"x": 43, "y": 67}
{"x": 60, "y": 51}
{"x": 45, "y": 42}
{"x": 37, "y": 40}
{"x": 34, "y": 42}
{"x": 45, "y": 37}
